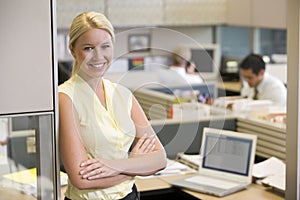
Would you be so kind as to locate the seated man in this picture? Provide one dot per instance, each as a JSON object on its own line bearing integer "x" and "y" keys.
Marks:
{"x": 257, "y": 84}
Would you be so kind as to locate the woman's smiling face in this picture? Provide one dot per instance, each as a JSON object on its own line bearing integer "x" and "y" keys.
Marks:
{"x": 93, "y": 51}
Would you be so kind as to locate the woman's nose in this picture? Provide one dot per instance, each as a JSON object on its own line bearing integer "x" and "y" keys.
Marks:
{"x": 97, "y": 53}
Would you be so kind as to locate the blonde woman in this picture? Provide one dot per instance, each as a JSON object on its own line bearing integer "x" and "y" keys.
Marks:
{"x": 100, "y": 121}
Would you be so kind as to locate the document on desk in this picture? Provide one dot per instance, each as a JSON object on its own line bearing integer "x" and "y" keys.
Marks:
{"x": 173, "y": 168}
{"x": 268, "y": 167}
{"x": 190, "y": 160}
{"x": 272, "y": 172}
{"x": 26, "y": 180}
{"x": 277, "y": 181}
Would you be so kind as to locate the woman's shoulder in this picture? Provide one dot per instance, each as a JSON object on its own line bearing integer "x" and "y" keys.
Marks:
{"x": 67, "y": 85}
{"x": 72, "y": 85}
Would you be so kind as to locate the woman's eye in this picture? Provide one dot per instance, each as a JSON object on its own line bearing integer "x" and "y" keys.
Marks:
{"x": 105, "y": 46}
{"x": 88, "y": 48}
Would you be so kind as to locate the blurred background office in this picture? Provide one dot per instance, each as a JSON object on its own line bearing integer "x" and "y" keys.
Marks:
{"x": 163, "y": 25}
{"x": 220, "y": 32}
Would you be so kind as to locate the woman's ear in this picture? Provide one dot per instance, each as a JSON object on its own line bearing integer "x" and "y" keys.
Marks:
{"x": 72, "y": 51}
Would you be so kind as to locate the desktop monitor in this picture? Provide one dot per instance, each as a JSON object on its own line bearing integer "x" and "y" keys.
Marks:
{"x": 229, "y": 68}
{"x": 207, "y": 60}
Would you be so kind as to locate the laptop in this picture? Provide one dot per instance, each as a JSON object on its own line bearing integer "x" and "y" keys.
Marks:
{"x": 226, "y": 162}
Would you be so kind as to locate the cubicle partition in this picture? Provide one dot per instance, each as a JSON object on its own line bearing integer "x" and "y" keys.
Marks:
{"x": 157, "y": 102}
{"x": 156, "y": 105}
{"x": 271, "y": 137}
{"x": 186, "y": 136}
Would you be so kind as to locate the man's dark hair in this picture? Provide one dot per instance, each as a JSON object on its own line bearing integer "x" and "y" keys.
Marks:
{"x": 254, "y": 62}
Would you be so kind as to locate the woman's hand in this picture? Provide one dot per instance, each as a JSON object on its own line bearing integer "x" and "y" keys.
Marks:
{"x": 95, "y": 169}
{"x": 145, "y": 144}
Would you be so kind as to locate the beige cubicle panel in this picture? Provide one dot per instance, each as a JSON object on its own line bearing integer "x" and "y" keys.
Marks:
{"x": 27, "y": 60}
{"x": 271, "y": 139}
{"x": 157, "y": 102}
{"x": 156, "y": 105}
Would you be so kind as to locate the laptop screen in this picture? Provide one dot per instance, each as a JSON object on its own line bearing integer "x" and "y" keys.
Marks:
{"x": 227, "y": 153}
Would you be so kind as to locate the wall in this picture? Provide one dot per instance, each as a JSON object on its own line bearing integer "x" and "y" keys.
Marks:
{"x": 165, "y": 39}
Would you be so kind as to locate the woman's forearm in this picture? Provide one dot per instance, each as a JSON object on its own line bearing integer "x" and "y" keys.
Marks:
{"x": 102, "y": 183}
{"x": 146, "y": 164}
{"x": 138, "y": 164}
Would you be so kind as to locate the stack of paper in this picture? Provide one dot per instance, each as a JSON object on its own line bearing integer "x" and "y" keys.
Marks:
{"x": 192, "y": 161}
{"x": 174, "y": 168}
{"x": 272, "y": 173}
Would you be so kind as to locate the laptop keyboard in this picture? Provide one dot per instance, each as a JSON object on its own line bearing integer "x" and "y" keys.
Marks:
{"x": 203, "y": 180}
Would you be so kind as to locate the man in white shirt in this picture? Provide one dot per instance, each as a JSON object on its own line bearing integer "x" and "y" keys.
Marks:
{"x": 257, "y": 84}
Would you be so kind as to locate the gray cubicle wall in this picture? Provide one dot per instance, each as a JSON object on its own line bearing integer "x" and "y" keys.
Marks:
{"x": 187, "y": 136}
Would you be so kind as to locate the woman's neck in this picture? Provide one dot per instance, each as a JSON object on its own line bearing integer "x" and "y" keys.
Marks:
{"x": 94, "y": 83}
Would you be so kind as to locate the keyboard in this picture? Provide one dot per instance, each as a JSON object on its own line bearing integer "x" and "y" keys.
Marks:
{"x": 213, "y": 182}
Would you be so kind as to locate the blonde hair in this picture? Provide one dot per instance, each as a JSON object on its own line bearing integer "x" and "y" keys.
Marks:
{"x": 181, "y": 55}
{"x": 85, "y": 22}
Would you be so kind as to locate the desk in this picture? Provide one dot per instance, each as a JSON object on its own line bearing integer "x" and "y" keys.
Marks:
{"x": 230, "y": 88}
{"x": 254, "y": 191}
{"x": 12, "y": 194}
{"x": 161, "y": 183}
